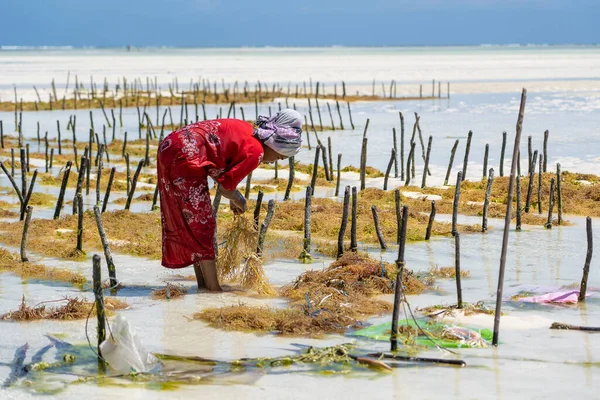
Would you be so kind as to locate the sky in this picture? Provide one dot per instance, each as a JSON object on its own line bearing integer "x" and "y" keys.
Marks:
{"x": 225, "y": 23}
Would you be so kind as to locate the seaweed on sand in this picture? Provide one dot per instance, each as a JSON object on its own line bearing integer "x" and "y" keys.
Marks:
{"x": 326, "y": 301}
{"x": 75, "y": 308}
{"x": 170, "y": 291}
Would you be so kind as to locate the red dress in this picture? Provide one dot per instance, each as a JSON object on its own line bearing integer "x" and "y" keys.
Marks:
{"x": 225, "y": 150}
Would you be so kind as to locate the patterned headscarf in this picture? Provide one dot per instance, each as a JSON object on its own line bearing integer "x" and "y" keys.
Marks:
{"x": 282, "y": 132}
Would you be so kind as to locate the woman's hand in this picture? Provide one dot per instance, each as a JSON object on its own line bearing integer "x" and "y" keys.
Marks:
{"x": 238, "y": 204}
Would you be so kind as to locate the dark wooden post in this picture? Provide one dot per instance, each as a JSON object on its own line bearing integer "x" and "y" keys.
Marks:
{"x": 133, "y": 184}
{"x": 507, "y": 219}
{"x": 546, "y": 134}
{"x": 519, "y": 207}
{"x": 100, "y": 311}
{"x": 467, "y": 150}
{"x": 313, "y": 181}
{"x": 426, "y": 169}
{"x": 389, "y": 169}
{"x": 398, "y": 298}
{"x": 380, "y": 236}
{"x": 452, "y": 153}
{"x": 63, "y": 189}
{"x": 502, "y": 152}
{"x": 28, "y": 211}
{"x": 588, "y": 258}
{"x": 112, "y": 272}
{"x": 459, "y": 302}
{"x": 344, "y": 224}
{"x": 353, "y": 243}
{"x": 550, "y": 205}
{"x": 290, "y": 183}
{"x": 530, "y": 185}
{"x": 486, "y": 202}
{"x": 559, "y": 193}
{"x": 431, "y": 220}
{"x": 456, "y": 202}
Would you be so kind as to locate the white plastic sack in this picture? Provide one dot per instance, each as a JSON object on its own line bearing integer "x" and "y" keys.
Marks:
{"x": 124, "y": 352}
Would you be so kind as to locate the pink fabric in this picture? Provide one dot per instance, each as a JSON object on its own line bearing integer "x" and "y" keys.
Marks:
{"x": 566, "y": 297}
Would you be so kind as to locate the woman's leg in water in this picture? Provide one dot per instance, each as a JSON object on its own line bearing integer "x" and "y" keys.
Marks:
{"x": 207, "y": 269}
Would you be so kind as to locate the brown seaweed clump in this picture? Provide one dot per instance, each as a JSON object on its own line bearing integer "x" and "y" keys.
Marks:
{"x": 327, "y": 301}
{"x": 171, "y": 291}
{"x": 447, "y": 272}
{"x": 75, "y": 308}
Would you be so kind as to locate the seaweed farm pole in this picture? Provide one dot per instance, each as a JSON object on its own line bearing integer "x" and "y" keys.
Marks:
{"x": 398, "y": 214}
{"x": 401, "y": 146}
{"x": 530, "y": 185}
{"x": 259, "y": 199}
{"x": 339, "y": 175}
{"x": 467, "y": 150}
{"x": 79, "y": 200}
{"x": 99, "y": 173}
{"x": 530, "y": 153}
{"x": 380, "y": 236}
{"x": 29, "y": 193}
{"x": 112, "y": 272}
{"x": 410, "y": 159}
{"x": 265, "y": 226}
{"x": 80, "y": 177}
{"x": 350, "y": 113}
{"x": 431, "y": 219}
{"x": 337, "y": 104}
{"x": 550, "y": 205}
{"x": 100, "y": 312}
{"x": 23, "y": 172}
{"x": 248, "y": 186}
{"x": 330, "y": 155}
{"x": 540, "y": 176}
{"x": 28, "y": 211}
{"x": 558, "y": 193}
{"x": 307, "y": 215}
{"x": 507, "y": 219}
{"x": 389, "y": 169}
{"x": 486, "y": 202}
{"x": 398, "y": 288}
{"x": 588, "y": 258}
{"x": 154, "y": 198}
{"x": 546, "y": 133}
{"x": 426, "y": 169}
{"x": 452, "y": 153}
{"x": 109, "y": 187}
{"x": 134, "y": 183}
{"x": 502, "y": 152}
{"x": 485, "y": 159}
{"x": 457, "y": 270}
{"x": 353, "y": 243}
{"x": 63, "y": 188}
{"x": 290, "y": 183}
{"x": 344, "y": 223}
{"x": 313, "y": 181}
{"x": 518, "y": 227}
{"x": 13, "y": 183}
{"x": 395, "y": 142}
{"x": 363, "y": 162}
{"x": 456, "y": 201}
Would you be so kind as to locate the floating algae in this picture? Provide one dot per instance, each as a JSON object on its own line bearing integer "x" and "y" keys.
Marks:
{"x": 78, "y": 364}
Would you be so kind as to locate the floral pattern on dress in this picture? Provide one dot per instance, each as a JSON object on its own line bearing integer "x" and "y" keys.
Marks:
{"x": 190, "y": 144}
{"x": 165, "y": 144}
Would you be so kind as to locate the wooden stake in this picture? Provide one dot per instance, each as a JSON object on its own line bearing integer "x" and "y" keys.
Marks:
{"x": 507, "y": 219}
{"x": 486, "y": 202}
{"x": 467, "y": 150}
{"x": 313, "y": 181}
{"x": 530, "y": 185}
{"x": 431, "y": 220}
{"x": 307, "y": 215}
{"x": 80, "y": 212}
{"x": 363, "y": 162}
{"x": 380, "y": 236}
{"x": 259, "y": 199}
{"x": 248, "y": 186}
{"x": 350, "y": 114}
{"x": 452, "y": 153}
{"x": 457, "y": 270}
{"x": 550, "y": 205}
{"x": 290, "y": 183}
{"x": 540, "y": 176}
{"x": 389, "y": 169}
{"x": 100, "y": 311}
{"x": 502, "y": 152}
{"x": 426, "y": 169}
{"x": 344, "y": 224}
{"x": 588, "y": 258}
{"x": 80, "y": 177}
{"x": 265, "y": 226}
{"x": 559, "y": 193}
{"x": 410, "y": 159}
{"x": 109, "y": 187}
{"x": 28, "y": 212}
{"x": 401, "y": 145}
{"x": 456, "y": 202}
{"x": 546, "y": 134}
{"x": 134, "y": 183}
{"x": 398, "y": 214}
{"x": 112, "y": 273}
{"x": 29, "y": 193}
{"x": 353, "y": 243}
{"x": 63, "y": 188}
{"x": 339, "y": 174}
{"x": 518, "y": 227}
{"x": 485, "y": 160}
{"x": 398, "y": 287}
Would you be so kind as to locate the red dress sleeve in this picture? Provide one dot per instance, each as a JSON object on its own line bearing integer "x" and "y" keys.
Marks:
{"x": 248, "y": 157}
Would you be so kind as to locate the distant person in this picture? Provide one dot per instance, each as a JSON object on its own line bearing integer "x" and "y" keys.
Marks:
{"x": 227, "y": 150}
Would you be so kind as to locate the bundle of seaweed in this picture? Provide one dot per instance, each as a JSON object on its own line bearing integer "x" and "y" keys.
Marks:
{"x": 238, "y": 261}
{"x": 75, "y": 308}
{"x": 442, "y": 311}
{"x": 327, "y": 301}
{"x": 170, "y": 291}
{"x": 240, "y": 239}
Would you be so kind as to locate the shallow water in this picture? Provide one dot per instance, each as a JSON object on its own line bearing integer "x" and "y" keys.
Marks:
{"x": 531, "y": 361}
